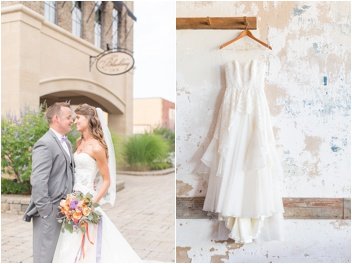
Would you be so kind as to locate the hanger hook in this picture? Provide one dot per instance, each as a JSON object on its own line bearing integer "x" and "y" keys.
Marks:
{"x": 246, "y": 22}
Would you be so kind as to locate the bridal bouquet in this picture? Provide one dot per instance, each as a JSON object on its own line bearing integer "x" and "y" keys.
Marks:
{"x": 77, "y": 210}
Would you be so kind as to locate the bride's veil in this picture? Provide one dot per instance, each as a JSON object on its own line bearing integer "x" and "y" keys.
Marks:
{"x": 110, "y": 195}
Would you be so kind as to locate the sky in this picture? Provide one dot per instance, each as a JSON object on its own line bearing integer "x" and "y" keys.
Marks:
{"x": 155, "y": 49}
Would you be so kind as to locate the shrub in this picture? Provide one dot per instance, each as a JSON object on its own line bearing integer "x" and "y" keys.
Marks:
{"x": 168, "y": 135}
{"x": 161, "y": 165}
{"x": 143, "y": 151}
{"x": 18, "y": 135}
{"x": 17, "y": 139}
{"x": 15, "y": 187}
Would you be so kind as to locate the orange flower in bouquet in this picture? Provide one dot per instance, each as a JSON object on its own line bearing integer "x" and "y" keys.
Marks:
{"x": 77, "y": 210}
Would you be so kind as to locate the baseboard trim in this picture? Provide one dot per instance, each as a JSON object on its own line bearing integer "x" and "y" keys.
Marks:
{"x": 295, "y": 208}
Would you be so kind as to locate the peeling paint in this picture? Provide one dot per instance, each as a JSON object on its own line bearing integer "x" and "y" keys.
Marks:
{"x": 313, "y": 145}
{"x": 182, "y": 255}
{"x": 338, "y": 144}
{"x": 182, "y": 188}
{"x": 299, "y": 11}
{"x": 340, "y": 224}
{"x": 335, "y": 148}
{"x": 305, "y": 240}
{"x": 312, "y": 169}
{"x": 274, "y": 93}
{"x": 234, "y": 245}
{"x": 219, "y": 258}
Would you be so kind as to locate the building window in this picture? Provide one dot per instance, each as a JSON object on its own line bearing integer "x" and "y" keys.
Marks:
{"x": 115, "y": 29}
{"x": 97, "y": 24}
{"x": 50, "y": 11}
{"x": 77, "y": 18}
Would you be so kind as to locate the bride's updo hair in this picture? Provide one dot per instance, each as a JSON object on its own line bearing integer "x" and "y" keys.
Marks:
{"x": 93, "y": 123}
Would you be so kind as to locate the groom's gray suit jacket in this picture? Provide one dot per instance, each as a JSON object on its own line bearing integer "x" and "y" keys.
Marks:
{"x": 52, "y": 178}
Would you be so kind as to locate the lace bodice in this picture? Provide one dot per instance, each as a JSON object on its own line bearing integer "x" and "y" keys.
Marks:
{"x": 85, "y": 172}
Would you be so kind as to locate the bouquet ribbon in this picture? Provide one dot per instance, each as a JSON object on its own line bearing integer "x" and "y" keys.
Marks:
{"x": 81, "y": 252}
{"x": 99, "y": 240}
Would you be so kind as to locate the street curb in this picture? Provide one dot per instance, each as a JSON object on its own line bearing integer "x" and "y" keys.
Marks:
{"x": 147, "y": 173}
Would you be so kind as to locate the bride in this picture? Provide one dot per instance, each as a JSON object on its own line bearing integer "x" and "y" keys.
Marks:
{"x": 94, "y": 173}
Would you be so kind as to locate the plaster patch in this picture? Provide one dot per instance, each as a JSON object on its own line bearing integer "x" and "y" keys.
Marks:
{"x": 279, "y": 20}
{"x": 182, "y": 255}
{"x": 323, "y": 10}
{"x": 182, "y": 90}
{"x": 313, "y": 145}
{"x": 274, "y": 93}
{"x": 334, "y": 65}
{"x": 182, "y": 188}
{"x": 312, "y": 169}
{"x": 340, "y": 224}
{"x": 219, "y": 258}
{"x": 234, "y": 245}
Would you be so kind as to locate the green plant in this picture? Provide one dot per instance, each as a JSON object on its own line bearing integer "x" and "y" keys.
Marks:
{"x": 73, "y": 136}
{"x": 161, "y": 165}
{"x": 119, "y": 142}
{"x": 143, "y": 151}
{"x": 168, "y": 135}
{"x": 15, "y": 187}
{"x": 18, "y": 136}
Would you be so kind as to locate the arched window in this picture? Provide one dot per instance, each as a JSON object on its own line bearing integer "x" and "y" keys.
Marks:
{"x": 77, "y": 18}
{"x": 115, "y": 28}
{"x": 97, "y": 24}
{"x": 50, "y": 11}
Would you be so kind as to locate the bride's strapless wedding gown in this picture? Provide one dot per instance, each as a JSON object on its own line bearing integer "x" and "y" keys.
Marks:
{"x": 114, "y": 248}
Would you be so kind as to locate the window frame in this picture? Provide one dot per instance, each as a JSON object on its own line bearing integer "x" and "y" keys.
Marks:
{"x": 50, "y": 11}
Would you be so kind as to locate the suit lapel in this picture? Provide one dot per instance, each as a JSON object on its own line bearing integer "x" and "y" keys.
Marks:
{"x": 60, "y": 146}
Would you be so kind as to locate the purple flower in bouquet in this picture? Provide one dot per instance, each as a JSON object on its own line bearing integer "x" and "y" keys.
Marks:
{"x": 73, "y": 204}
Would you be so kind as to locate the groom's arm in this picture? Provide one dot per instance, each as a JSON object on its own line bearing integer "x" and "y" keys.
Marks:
{"x": 41, "y": 168}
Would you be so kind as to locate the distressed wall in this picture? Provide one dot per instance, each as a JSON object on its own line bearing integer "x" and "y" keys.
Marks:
{"x": 308, "y": 82}
{"x": 310, "y": 41}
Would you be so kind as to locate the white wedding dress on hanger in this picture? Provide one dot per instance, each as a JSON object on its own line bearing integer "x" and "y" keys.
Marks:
{"x": 244, "y": 170}
{"x": 108, "y": 243}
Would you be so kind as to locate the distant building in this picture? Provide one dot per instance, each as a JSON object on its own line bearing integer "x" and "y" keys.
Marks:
{"x": 150, "y": 113}
{"x": 46, "y": 55}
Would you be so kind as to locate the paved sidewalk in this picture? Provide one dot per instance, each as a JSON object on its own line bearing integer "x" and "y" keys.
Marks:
{"x": 144, "y": 213}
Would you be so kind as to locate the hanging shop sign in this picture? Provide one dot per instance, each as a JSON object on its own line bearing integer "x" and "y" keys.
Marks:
{"x": 114, "y": 62}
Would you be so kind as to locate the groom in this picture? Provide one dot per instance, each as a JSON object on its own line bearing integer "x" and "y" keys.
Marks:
{"x": 51, "y": 179}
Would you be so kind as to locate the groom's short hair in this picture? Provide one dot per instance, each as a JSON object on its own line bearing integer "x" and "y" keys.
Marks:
{"x": 55, "y": 110}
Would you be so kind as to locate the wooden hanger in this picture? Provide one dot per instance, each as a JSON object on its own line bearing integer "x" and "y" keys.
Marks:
{"x": 244, "y": 33}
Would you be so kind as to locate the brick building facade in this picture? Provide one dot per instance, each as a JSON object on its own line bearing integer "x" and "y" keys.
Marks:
{"x": 47, "y": 50}
{"x": 63, "y": 18}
